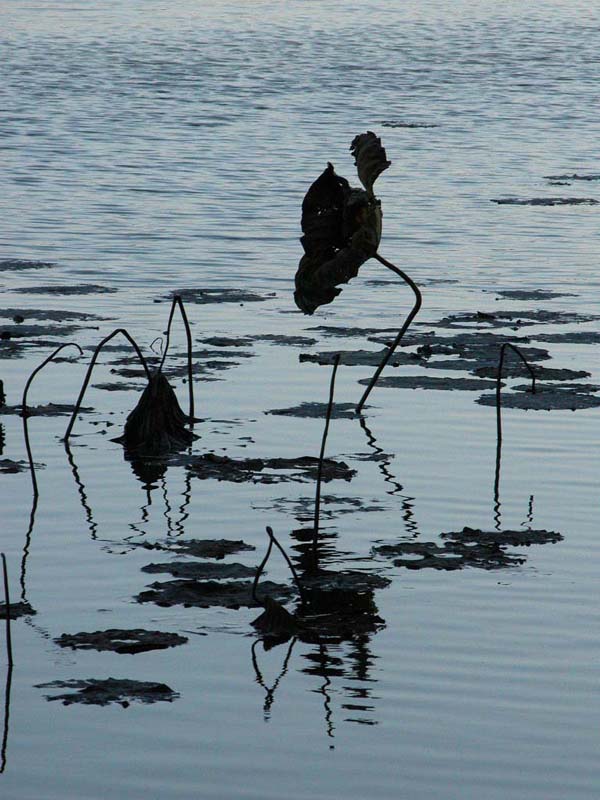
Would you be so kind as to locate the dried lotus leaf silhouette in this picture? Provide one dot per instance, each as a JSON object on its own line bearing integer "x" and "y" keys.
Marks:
{"x": 341, "y": 226}
{"x": 341, "y": 229}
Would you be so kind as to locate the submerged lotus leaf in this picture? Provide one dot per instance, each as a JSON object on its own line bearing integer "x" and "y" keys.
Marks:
{"x": 341, "y": 226}
{"x": 121, "y": 641}
{"x": 504, "y": 537}
{"x": 204, "y": 594}
{"x": 112, "y": 690}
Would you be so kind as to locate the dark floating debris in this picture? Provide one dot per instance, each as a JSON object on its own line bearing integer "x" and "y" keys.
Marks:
{"x": 200, "y": 548}
{"x": 228, "y": 341}
{"x": 263, "y": 470}
{"x": 360, "y": 358}
{"x": 10, "y": 467}
{"x": 111, "y": 690}
{"x": 397, "y": 123}
{"x": 17, "y": 610}
{"x": 205, "y": 594}
{"x": 448, "y": 556}
{"x": 504, "y": 538}
{"x": 548, "y": 397}
{"x": 518, "y": 369}
{"x": 202, "y": 571}
{"x": 88, "y": 288}
{"x": 118, "y": 640}
{"x": 547, "y": 201}
{"x": 574, "y": 337}
{"x": 531, "y": 294}
{"x": 222, "y": 295}
{"x": 503, "y": 319}
{"x": 18, "y": 264}
{"x": 316, "y": 411}
{"x": 574, "y": 176}
{"x": 428, "y": 382}
{"x": 47, "y": 314}
{"x": 46, "y": 410}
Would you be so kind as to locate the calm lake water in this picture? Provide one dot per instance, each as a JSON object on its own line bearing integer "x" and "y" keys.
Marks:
{"x": 149, "y": 147}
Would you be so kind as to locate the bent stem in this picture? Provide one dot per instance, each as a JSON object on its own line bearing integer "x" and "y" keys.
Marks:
{"x": 336, "y": 362}
{"x": 263, "y": 563}
{"x": 24, "y": 410}
{"x": 177, "y": 301}
{"x": 503, "y": 349}
{"x": 88, "y": 374}
{"x": 414, "y": 311}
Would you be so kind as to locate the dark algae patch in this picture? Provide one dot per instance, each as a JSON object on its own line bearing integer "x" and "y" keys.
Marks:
{"x": 360, "y": 358}
{"x": 428, "y": 382}
{"x": 200, "y": 548}
{"x": 548, "y": 397}
{"x": 82, "y": 289}
{"x": 16, "y": 610}
{"x": 18, "y": 264}
{"x": 546, "y": 201}
{"x": 206, "y": 594}
{"x": 94, "y": 692}
{"x": 10, "y": 467}
{"x": 202, "y": 571}
{"x": 504, "y": 537}
{"x": 316, "y": 411}
{"x": 531, "y": 294}
{"x": 263, "y": 470}
{"x": 225, "y": 295}
{"x": 121, "y": 641}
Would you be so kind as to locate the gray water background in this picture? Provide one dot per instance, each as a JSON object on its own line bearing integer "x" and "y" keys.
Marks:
{"x": 150, "y": 147}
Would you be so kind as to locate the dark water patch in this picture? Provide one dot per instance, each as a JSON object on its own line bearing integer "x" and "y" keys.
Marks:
{"x": 360, "y": 358}
{"x": 228, "y": 341}
{"x": 547, "y": 397}
{"x": 225, "y": 295}
{"x": 45, "y": 314}
{"x": 119, "y": 387}
{"x": 10, "y": 467}
{"x": 285, "y": 340}
{"x": 200, "y": 548}
{"x": 451, "y": 555}
{"x": 17, "y": 610}
{"x": 397, "y": 123}
{"x": 574, "y": 337}
{"x": 502, "y": 319}
{"x": 531, "y": 294}
{"x": 517, "y": 369}
{"x": 18, "y": 264}
{"x": 504, "y": 537}
{"x": 202, "y": 571}
{"x": 81, "y": 289}
{"x": 96, "y": 692}
{"x": 316, "y": 411}
{"x": 546, "y": 201}
{"x": 573, "y": 176}
{"x": 263, "y": 470}
{"x": 21, "y": 331}
{"x": 428, "y": 382}
{"x": 121, "y": 641}
{"x": 349, "y": 332}
{"x": 47, "y": 410}
{"x": 207, "y": 594}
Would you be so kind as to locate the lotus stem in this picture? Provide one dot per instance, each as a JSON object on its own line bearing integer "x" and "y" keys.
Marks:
{"x": 177, "y": 301}
{"x": 7, "y": 601}
{"x": 503, "y": 349}
{"x": 88, "y": 374}
{"x": 259, "y": 571}
{"x": 414, "y": 311}
{"x": 289, "y": 563}
{"x": 24, "y": 410}
{"x": 336, "y": 362}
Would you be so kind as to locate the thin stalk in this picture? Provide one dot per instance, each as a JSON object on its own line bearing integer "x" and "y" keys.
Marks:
{"x": 289, "y": 563}
{"x": 403, "y": 329}
{"x": 499, "y": 420}
{"x": 336, "y": 362}
{"x": 9, "y": 672}
{"x": 88, "y": 374}
{"x": 7, "y": 600}
{"x": 177, "y": 301}
{"x": 24, "y": 410}
{"x": 259, "y": 572}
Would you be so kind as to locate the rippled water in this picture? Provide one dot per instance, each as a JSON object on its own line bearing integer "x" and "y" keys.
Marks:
{"x": 148, "y": 148}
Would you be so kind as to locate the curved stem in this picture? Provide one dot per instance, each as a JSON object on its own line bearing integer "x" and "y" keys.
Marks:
{"x": 289, "y": 563}
{"x": 499, "y": 420}
{"x": 259, "y": 571}
{"x": 403, "y": 329}
{"x": 7, "y": 599}
{"x": 88, "y": 374}
{"x": 336, "y": 362}
{"x": 177, "y": 301}
{"x": 24, "y": 409}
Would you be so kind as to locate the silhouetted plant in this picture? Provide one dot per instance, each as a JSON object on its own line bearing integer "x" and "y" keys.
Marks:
{"x": 341, "y": 229}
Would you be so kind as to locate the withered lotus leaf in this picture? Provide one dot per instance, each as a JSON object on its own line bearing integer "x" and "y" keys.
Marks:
{"x": 341, "y": 226}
